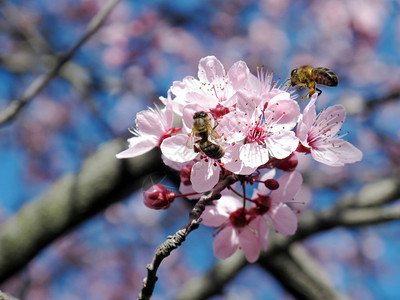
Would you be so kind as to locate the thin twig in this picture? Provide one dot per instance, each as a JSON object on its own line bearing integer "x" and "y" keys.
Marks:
{"x": 42, "y": 81}
{"x": 176, "y": 240}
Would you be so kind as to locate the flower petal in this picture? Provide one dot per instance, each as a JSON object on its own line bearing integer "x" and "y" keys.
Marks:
{"x": 282, "y": 144}
{"x": 151, "y": 122}
{"x": 138, "y": 146}
{"x": 210, "y": 68}
{"x": 309, "y": 113}
{"x": 232, "y": 162}
{"x": 186, "y": 189}
{"x": 204, "y": 175}
{"x": 238, "y": 74}
{"x": 337, "y": 153}
{"x": 253, "y": 155}
{"x": 225, "y": 243}
{"x": 262, "y": 227}
{"x": 214, "y": 216}
{"x": 283, "y": 219}
{"x": 176, "y": 149}
{"x": 283, "y": 113}
{"x": 289, "y": 185}
{"x": 333, "y": 118}
{"x": 249, "y": 244}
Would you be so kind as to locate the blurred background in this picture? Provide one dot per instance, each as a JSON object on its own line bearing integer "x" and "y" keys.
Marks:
{"x": 131, "y": 60}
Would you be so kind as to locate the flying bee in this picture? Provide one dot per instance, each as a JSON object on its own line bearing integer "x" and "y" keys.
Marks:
{"x": 202, "y": 131}
{"x": 309, "y": 77}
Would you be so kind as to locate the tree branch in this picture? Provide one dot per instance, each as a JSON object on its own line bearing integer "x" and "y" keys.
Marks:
{"x": 211, "y": 284}
{"x": 102, "y": 180}
{"x": 179, "y": 237}
{"x": 41, "y": 82}
{"x": 299, "y": 273}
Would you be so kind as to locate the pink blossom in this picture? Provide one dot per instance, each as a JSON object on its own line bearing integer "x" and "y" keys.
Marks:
{"x": 152, "y": 127}
{"x": 318, "y": 135}
{"x": 234, "y": 229}
{"x": 214, "y": 86}
{"x": 261, "y": 132}
{"x": 274, "y": 206}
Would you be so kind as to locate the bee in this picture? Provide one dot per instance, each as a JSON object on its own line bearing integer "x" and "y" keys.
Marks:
{"x": 309, "y": 77}
{"x": 211, "y": 149}
{"x": 202, "y": 131}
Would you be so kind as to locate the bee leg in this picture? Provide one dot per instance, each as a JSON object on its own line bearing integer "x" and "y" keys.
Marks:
{"x": 308, "y": 95}
{"x": 319, "y": 91}
{"x": 216, "y": 124}
{"x": 196, "y": 149}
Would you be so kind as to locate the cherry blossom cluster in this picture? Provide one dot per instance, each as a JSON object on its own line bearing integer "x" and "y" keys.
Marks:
{"x": 261, "y": 130}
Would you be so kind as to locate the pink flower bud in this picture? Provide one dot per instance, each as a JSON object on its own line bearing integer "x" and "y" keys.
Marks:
{"x": 158, "y": 197}
{"x": 185, "y": 174}
{"x": 287, "y": 164}
{"x": 272, "y": 184}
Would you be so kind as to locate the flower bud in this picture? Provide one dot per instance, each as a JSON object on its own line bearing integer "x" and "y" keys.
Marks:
{"x": 185, "y": 174}
{"x": 287, "y": 164}
{"x": 272, "y": 184}
{"x": 158, "y": 197}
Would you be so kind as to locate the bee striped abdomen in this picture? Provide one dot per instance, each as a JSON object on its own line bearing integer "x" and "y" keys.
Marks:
{"x": 211, "y": 149}
{"x": 325, "y": 76}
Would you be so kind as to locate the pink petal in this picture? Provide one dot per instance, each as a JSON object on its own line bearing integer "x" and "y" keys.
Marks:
{"x": 232, "y": 162}
{"x": 204, "y": 175}
{"x": 302, "y": 200}
{"x": 335, "y": 116}
{"x": 186, "y": 189}
{"x": 228, "y": 204}
{"x": 249, "y": 244}
{"x": 309, "y": 113}
{"x": 247, "y": 102}
{"x": 150, "y": 122}
{"x": 302, "y": 132}
{"x": 262, "y": 227}
{"x": 231, "y": 126}
{"x": 199, "y": 97}
{"x": 238, "y": 74}
{"x": 210, "y": 68}
{"x": 138, "y": 146}
{"x": 283, "y": 219}
{"x": 225, "y": 243}
{"x": 284, "y": 114}
{"x": 254, "y": 155}
{"x": 173, "y": 164}
{"x": 282, "y": 144}
{"x": 336, "y": 153}
{"x": 213, "y": 216}
{"x": 168, "y": 111}
{"x": 289, "y": 185}
{"x": 175, "y": 149}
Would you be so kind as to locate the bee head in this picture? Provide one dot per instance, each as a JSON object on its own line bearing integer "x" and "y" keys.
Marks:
{"x": 293, "y": 77}
{"x": 200, "y": 114}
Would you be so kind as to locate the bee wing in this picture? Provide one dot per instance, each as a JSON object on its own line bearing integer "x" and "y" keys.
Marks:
{"x": 190, "y": 143}
{"x": 215, "y": 135}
